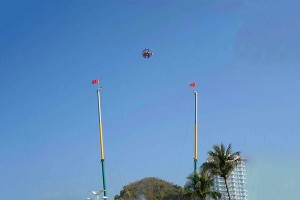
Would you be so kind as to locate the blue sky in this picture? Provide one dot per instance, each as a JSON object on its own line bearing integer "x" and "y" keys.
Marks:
{"x": 243, "y": 55}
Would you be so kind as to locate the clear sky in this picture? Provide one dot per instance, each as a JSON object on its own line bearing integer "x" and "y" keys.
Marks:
{"x": 243, "y": 55}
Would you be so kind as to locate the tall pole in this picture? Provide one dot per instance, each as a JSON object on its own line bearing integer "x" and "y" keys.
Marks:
{"x": 101, "y": 143}
{"x": 196, "y": 132}
{"x": 195, "y": 136}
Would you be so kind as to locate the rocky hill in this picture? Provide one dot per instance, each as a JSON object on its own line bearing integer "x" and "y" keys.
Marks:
{"x": 151, "y": 189}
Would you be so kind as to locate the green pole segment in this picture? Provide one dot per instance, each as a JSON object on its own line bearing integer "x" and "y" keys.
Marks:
{"x": 103, "y": 178}
{"x": 195, "y": 171}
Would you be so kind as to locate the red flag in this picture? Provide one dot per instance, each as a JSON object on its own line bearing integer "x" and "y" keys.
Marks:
{"x": 95, "y": 81}
{"x": 193, "y": 84}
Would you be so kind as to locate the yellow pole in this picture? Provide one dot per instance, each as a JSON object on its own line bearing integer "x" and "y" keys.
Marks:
{"x": 100, "y": 126}
{"x": 101, "y": 142}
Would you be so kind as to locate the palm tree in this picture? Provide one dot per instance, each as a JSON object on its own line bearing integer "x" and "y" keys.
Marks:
{"x": 221, "y": 162}
{"x": 199, "y": 186}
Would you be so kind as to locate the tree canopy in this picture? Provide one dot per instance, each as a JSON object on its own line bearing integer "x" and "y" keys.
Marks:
{"x": 221, "y": 161}
{"x": 199, "y": 186}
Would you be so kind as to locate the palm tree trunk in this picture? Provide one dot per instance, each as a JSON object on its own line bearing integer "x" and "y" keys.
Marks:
{"x": 227, "y": 188}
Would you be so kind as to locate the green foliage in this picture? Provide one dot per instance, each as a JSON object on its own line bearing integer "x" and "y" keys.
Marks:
{"x": 151, "y": 189}
{"x": 199, "y": 186}
{"x": 221, "y": 162}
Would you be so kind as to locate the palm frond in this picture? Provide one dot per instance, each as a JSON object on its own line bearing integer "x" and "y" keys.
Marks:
{"x": 235, "y": 156}
{"x": 217, "y": 149}
{"x": 223, "y": 149}
{"x": 228, "y": 151}
{"x": 212, "y": 154}
{"x": 215, "y": 195}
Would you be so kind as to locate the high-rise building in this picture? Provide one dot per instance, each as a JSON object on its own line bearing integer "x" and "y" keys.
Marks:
{"x": 236, "y": 183}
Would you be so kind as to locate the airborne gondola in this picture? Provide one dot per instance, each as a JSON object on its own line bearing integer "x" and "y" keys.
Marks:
{"x": 147, "y": 53}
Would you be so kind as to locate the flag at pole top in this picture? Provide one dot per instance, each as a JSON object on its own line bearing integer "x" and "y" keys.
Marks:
{"x": 96, "y": 81}
{"x": 193, "y": 84}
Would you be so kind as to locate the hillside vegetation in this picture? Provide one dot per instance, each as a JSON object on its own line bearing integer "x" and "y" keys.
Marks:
{"x": 151, "y": 189}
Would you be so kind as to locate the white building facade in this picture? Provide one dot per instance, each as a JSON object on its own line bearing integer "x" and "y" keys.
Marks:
{"x": 236, "y": 183}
